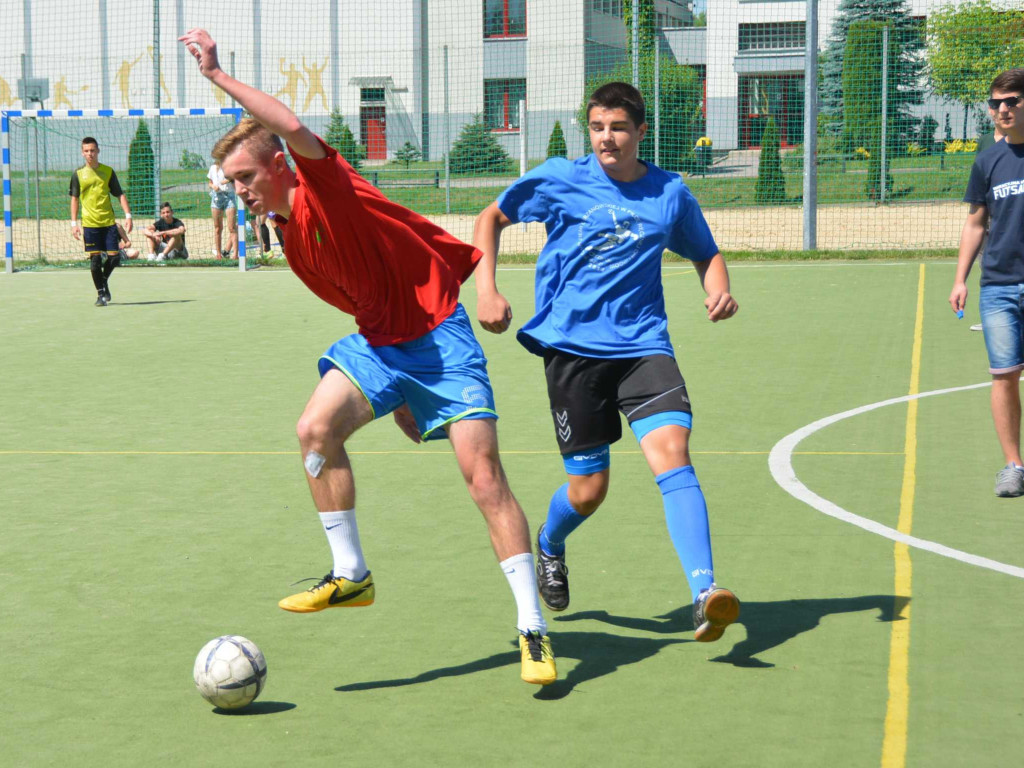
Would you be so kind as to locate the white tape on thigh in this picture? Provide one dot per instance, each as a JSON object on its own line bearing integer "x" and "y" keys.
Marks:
{"x": 314, "y": 463}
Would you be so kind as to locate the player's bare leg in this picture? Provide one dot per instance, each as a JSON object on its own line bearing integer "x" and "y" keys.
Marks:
{"x": 334, "y": 412}
{"x": 475, "y": 442}
{"x": 1006, "y": 416}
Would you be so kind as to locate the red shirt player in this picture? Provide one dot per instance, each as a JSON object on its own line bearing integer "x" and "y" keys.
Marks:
{"x": 415, "y": 354}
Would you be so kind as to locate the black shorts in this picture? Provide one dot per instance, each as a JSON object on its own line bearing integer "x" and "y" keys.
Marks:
{"x": 101, "y": 239}
{"x": 587, "y": 394}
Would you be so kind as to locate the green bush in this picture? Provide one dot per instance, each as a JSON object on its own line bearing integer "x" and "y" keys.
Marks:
{"x": 556, "y": 142}
{"x": 771, "y": 185}
{"x": 339, "y": 136}
{"x": 190, "y": 161}
{"x": 140, "y": 193}
{"x": 476, "y": 151}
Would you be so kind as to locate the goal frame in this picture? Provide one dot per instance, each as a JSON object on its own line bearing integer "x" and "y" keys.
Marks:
{"x": 5, "y": 148}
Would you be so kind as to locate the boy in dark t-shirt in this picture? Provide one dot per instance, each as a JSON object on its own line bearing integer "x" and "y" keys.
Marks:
{"x": 995, "y": 193}
{"x": 166, "y": 236}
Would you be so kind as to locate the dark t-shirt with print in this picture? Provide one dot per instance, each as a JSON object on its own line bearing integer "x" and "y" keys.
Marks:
{"x": 162, "y": 226}
{"x": 997, "y": 182}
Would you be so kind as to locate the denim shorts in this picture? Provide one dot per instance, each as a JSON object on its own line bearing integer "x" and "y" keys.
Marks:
{"x": 1002, "y": 318}
{"x": 221, "y": 200}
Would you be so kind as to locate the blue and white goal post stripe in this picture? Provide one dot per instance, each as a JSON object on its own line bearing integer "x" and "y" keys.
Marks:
{"x": 5, "y": 144}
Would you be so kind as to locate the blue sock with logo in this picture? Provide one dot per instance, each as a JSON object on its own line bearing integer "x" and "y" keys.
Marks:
{"x": 562, "y": 520}
{"x": 686, "y": 515}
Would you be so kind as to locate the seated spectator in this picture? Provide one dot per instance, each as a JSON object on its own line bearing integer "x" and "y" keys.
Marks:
{"x": 166, "y": 237}
{"x": 125, "y": 245}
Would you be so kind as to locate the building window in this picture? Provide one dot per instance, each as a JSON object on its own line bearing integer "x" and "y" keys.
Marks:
{"x": 501, "y": 103}
{"x": 780, "y": 97}
{"x": 772, "y": 36}
{"x": 608, "y": 7}
{"x": 504, "y": 18}
{"x": 371, "y": 95}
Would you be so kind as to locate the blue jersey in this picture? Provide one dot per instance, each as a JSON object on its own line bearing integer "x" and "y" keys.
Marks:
{"x": 598, "y": 291}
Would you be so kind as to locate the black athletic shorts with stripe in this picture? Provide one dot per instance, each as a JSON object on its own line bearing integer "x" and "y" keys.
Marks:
{"x": 588, "y": 393}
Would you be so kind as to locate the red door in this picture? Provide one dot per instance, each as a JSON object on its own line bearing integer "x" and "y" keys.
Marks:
{"x": 373, "y": 125}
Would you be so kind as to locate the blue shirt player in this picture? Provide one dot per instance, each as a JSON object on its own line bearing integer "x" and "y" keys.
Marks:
{"x": 601, "y": 328}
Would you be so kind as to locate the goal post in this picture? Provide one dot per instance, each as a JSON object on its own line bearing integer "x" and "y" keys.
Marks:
{"x": 41, "y": 149}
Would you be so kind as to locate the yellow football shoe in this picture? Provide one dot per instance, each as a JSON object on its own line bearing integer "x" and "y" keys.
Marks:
{"x": 332, "y": 592}
{"x": 538, "y": 659}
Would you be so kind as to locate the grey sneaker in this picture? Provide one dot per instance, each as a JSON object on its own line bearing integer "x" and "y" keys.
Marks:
{"x": 1010, "y": 481}
{"x": 714, "y": 610}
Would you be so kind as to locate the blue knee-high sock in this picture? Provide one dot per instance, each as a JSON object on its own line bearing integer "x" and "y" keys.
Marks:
{"x": 686, "y": 515}
{"x": 562, "y": 520}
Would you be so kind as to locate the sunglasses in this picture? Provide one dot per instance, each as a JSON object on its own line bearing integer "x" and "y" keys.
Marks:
{"x": 1009, "y": 101}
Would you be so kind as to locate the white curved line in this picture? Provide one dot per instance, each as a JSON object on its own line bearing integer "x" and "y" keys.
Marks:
{"x": 780, "y": 462}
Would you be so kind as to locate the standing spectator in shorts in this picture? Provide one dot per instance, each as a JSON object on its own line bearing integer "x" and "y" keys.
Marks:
{"x": 222, "y": 208}
{"x": 166, "y": 237}
{"x": 91, "y": 188}
{"x": 995, "y": 193}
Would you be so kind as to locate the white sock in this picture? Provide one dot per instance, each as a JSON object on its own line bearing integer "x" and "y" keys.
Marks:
{"x": 522, "y": 578}
{"x": 343, "y": 536}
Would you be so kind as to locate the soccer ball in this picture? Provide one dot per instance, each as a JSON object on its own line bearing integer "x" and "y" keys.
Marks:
{"x": 230, "y": 671}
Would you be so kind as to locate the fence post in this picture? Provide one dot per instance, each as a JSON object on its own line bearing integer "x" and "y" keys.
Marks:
{"x": 810, "y": 201}
{"x": 885, "y": 108}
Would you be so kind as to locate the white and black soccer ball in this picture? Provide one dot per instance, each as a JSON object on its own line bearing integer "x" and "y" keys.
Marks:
{"x": 230, "y": 671}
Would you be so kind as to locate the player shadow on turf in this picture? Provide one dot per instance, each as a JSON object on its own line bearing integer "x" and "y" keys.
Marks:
{"x": 257, "y": 708}
{"x": 599, "y": 654}
{"x": 768, "y": 624}
{"x": 147, "y": 303}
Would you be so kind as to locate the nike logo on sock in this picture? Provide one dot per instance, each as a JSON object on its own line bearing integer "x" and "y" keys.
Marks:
{"x": 337, "y": 597}
{"x": 332, "y": 527}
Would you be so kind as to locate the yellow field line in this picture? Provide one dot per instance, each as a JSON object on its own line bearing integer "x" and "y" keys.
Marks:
{"x": 419, "y": 453}
{"x": 894, "y": 744}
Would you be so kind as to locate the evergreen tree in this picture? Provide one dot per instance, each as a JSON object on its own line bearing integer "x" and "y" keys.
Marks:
{"x": 141, "y": 177}
{"x": 476, "y": 151}
{"x": 906, "y": 68}
{"x": 771, "y": 184}
{"x": 556, "y": 142}
{"x": 407, "y": 155}
{"x": 339, "y": 136}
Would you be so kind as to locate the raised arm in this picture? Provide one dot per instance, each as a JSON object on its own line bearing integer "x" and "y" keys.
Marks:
{"x": 274, "y": 115}
{"x": 971, "y": 238}
{"x": 493, "y": 311}
{"x": 714, "y": 276}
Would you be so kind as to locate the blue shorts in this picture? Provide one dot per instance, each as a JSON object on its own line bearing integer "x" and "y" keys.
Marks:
{"x": 1002, "y": 319}
{"x": 103, "y": 239}
{"x": 442, "y": 375}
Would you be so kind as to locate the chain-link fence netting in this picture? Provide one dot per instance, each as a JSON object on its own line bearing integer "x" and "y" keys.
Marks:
{"x": 442, "y": 103}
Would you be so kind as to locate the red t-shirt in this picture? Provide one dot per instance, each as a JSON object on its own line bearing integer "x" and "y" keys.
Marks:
{"x": 397, "y": 272}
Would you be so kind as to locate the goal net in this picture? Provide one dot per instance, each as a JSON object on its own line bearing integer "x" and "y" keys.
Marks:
{"x": 159, "y": 156}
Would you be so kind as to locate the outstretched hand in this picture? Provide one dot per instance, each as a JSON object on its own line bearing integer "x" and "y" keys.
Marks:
{"x": 407, "y": 422}
{"x": 204, "y": 49}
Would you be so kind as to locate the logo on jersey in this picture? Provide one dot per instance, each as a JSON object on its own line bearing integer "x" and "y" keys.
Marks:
{"x": 1008, "y": 189}
{"x": 564, "y": 430}
{"x": 609, "y": 236}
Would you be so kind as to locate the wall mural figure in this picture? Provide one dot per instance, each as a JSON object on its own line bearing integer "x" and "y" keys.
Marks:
{"x": 316, "y": 84}
{"x": 122, "y": 78}
{"x": 291, "y": 84}
{"x": 61, "y": 92}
